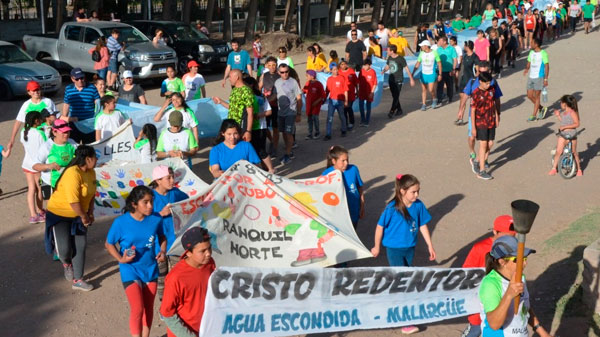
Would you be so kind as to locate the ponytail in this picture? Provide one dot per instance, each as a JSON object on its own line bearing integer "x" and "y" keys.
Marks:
{"x": 334, "y": 153}
{"x": 491, "y": 263}
{"x": 403, "y": 182}
{"x": 31, "y": 120}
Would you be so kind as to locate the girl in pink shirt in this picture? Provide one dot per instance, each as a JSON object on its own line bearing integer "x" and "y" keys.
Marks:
{"x": 101, "y": 66}
{"x": 482, "y": 46}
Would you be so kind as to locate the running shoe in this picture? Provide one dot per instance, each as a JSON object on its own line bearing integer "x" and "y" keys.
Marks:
{"x": 391, "y": 114}
{"x": 423, "y": 107}
{"x": 531, "y": 118}
{"x": 472, "y": 155}
{"x": 292, "y": 155}
{"x": 81, "y": 285}
{"x": 295, "y": 145}
{"x": 350, "y": 127}
{"x": 542, "y": 112}
{"x": 399, "y": 112}
{"x": 579, "y": 173}
{"x": 317, "y": 134}
{"x": 285, "y": 159}
{"x": 458, "y": 122}
{"x": 486, "y": 165}
{"x": 474, "y": 165}
{"x": 68, "y": 269}
{"x": 308, "y": 137}
{"x": 484, "y": 175}
{"x": 434, "y": 104}
{"x": 409, "y": 330}
{"x": 34, "y": 219}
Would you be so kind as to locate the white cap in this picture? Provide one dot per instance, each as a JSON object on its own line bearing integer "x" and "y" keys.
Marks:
{"x": 425, "y": 43}
{"x": 127, "y": 74}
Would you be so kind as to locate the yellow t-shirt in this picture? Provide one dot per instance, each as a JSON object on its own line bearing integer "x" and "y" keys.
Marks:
{"x": 336, "y": 60}
{"x": 317, "y": 65}
{"x": 400, "y": 42}
{"x": 375, "y": 50}
{"x": 74, "y": 186}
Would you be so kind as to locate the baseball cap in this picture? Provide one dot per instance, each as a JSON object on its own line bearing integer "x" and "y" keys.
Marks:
{"x": 127, "y": 74}
{"x": 446, "y": 22}
{"x": 192, "y": 63}
{"x": 160, "y": 172}
{"x": 193, "y": 236}
{"x": 33, "y": 86}
{"x": 77, "y": 73}
{"x": 504, "y": 224}
{"x": 332, "y": 64}
{"x": 425, "y": 43}
{"x": 394, "y": 31}
{"x": 47, "y": 113}
{"x": 312, "y": 73}
{"x": 176, "y": 118}
{"x": 505, "y": 246}
{"x": 458, "y": 16}
{"x": 61, "y": 126}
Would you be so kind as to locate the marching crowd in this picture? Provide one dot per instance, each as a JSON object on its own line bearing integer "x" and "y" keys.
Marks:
{"x": 266, "y": 99}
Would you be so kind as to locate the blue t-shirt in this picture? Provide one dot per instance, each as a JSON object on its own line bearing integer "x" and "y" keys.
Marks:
{"x": 352, "y": 182}
{"x": 474, "y": 84}
{"x": 82, "y": 104}
{"x": 127, "y": 232}
{"x": 160, "y": 201}
{"x": 239, "y": 60}
{"x": 398, "y": 232}
{"x": 225, "y": 157}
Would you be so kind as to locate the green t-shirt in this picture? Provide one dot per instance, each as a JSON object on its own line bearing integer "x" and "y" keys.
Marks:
{"x": 447, "y": 56}
{"x": 181, "y": 141}
{"x": 513, "y": 9}
{"x": 588, "y": 11}
{"x": 489, "y": 14}
{"x": 240, "y": 99}
{"x": 563, "y": 14}
{"x": 458, "y": 25}
{"x": 475, "y": 21}
{"x": 51, "y": 152}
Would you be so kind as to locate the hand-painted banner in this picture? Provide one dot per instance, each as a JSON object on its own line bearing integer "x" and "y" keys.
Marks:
{"x": 119, "y": 147}
{"x": 115, "y": 182}
{"x": 294, "y": 301}
{"x": 255, "y": 217}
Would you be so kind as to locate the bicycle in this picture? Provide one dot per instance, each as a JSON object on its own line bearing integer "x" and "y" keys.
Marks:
{"x": 567, "y": 167}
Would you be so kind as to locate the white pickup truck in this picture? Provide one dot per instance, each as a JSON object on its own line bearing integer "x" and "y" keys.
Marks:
{"x": 69, "y": 49}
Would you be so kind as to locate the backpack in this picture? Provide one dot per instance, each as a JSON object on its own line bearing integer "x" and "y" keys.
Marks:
{"x": 96, "y": 56}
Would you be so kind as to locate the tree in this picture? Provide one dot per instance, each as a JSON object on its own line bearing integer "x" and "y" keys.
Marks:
{"x": 270, "y": 16}
{"x": 414, "y": 13}
{"x": 249, "y": 31}
{"x": 289, "y": 15}
{"x": 187, "y": 10}
{"x": 227, "y": 29}
{"x": 466, "y": 8}
{"x": 333, "y": 4}
{"x": 210, "y": 8}
{"x": 169, "y": 9}
{"x": 305, "y": 14}
{"x": 344, "y": 11}
{"x": 387, "y": 10}
{"x": 376, "y": 14}
{"x": 60, "y": 14}
{"x": 431, "y": 11}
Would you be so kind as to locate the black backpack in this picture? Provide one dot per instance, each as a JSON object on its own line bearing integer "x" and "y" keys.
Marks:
{"x": 96, "y": 56}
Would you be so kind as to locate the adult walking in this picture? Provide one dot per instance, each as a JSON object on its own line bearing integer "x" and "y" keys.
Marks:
{"x": 56, "y": 153}
{"x": 396, "y": 64}
{"x": 266, "y": 84}
{"x": 469, "y": 70}
{"x": 130, "y": 91}
{"x": 237, "y": 59}
{"x": 539, "y": 70}
{"x": 70, "y": 213}
{"x": 431, "y": 71}
{"x": 448, "y": 57}
{"x": 353, "y": 27}
{"x": 574, "y": 14}
{"x": 241, "y": 104}
{"x": 356, "y": 52}
{"x": 289, "y": 100}
{"x": 79, "y": 104}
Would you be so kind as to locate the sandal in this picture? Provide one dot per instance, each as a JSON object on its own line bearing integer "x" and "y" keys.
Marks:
{"x": 552, "y": 172}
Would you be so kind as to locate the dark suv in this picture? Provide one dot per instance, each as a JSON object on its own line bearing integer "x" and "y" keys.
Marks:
{"x": 189, "y": 43}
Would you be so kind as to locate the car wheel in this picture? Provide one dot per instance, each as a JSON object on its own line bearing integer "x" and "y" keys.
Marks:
{"x": 6, "y": 93}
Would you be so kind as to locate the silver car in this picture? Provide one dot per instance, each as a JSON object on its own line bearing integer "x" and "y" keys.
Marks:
{"x": 17, "y": 68}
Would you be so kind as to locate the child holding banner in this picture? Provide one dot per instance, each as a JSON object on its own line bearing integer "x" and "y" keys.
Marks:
{"x": 109, "y": 119}
{"x": 398, "y": 224}
{"x": 146, "y": 143}
{"x": 177, "y": 141}
{"x": 137, "y": 232}
{"x": 186, "y": 285}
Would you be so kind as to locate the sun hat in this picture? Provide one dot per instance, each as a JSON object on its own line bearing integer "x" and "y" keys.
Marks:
{"x": 160, "y": 172}
{"x": 505, "y": 246}
{"x": 61, "y": 126}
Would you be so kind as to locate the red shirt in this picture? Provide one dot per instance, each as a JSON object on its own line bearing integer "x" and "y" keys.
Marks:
{"x": 185, "y": 292}
{"x": 352, "y": 82}
{"x": 366, "y": 82}
{"x": 483, "y": 104}
{"x": 529, "y": 22}
{"x": 337, "y": 87}
{"x": 476, "y": 259}
{"x": 313, "y": 90}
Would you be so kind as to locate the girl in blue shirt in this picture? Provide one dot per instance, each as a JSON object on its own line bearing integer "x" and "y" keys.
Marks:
{"x": 230, "y": 149}
{"x": 137, "y": 232}
{"x": 337, "y": 159}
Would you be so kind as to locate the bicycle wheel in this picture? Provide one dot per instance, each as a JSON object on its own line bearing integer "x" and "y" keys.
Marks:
{"x": 566, "y": 166}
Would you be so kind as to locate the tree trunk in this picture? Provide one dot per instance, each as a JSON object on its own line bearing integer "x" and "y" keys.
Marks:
{"x": 60, "y": 14}
{"x": 332, "y": 9}
{"x": 169, "y": 9}
{"x": 431, "y": 12}
{"x": 412, "y": 14}
{"x": 289, "y": 15}
{"x": 144, "y": 5}
{"x": 210, "y": 8}
{"x": 466, "y": 9}
{"x": 227, "y": 29}
{"x": 376, "y": 13}
{"x": 270, "y": 16}
{"x": 252, "y": 11}
{"x": 187, "y": 10}
{"x": 344, "y": 11}
{"x": 122, "y": 10}
{"x": 305, "y": 14}
{"x": 387, "y": 11}
{"x": 457, "y": 4}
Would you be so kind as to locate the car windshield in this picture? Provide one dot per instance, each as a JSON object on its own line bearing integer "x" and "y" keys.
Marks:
{"x": 13, "y": 54}
{"x": 185, "y": 32}
{"x": 128, "y": 34}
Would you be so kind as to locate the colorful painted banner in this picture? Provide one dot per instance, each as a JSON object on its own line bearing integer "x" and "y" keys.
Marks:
{"x": 297, "y": 301}
{"x": 257, "y": 218}
{"x": 115, "y": 182}
{"x": 118, "y": 148}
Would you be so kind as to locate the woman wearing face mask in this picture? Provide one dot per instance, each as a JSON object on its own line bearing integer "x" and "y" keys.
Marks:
{"x": 230, "y": 149}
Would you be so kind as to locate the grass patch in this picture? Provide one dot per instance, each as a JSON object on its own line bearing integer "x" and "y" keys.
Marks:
{"x": 583, "y": 231}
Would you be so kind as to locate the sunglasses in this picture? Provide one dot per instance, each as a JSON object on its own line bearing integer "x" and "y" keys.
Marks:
{"x": 514, "y": 258}
{"x": 354, "y": 34}
{"x": 284, "y": 72}
{"x": 282, "y": 51}
{"x": 79, "y": 79}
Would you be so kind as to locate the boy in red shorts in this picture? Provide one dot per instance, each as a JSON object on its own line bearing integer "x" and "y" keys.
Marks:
{"x": 315, "y": 95}
{"x": 485, "y": 115}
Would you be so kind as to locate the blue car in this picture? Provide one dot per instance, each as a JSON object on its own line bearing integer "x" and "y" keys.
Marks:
{"x": 17, "y": 68}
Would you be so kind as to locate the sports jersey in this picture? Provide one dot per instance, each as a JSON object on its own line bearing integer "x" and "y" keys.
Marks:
{"x": 193, "y": 86}
{"x": 428, "y": 61}
{"x": 172, "y": 85}
{"x": 189, "y": 118}
{"x": 537, "y": 62}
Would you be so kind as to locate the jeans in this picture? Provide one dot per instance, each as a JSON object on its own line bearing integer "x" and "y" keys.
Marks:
{"x": 395, "y": 89}
{"x": 446, "y": 79}
{"x": 338, "y": 105}
{"x": 472, "y": 331}
{"x": 574, "y": 21}
{"x": 102, "y": 73}
{"x": 400, "y": 257}
{"x": 365, "y": 119}
{"x": 256, "y": 63}
{"x": 313, "y": 121}
{"x": 349, "y": 113}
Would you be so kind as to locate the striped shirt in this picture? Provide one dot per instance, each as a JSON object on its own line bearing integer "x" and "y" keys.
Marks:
{"x": 82, "y": 104}
{"x": 114, "y": 47}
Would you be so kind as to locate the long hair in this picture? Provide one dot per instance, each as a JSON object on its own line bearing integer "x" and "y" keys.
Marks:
{"x": 183, "y": 103}
{"x": 404, "y": 183}
{"x": 153, "y": 185}
{"x": 570, "y": 101}
{"x": 491, "y": 263}
{"x": 151, "y": 134}
{"x": 81, "y": 154}
{"x": 101, "y": 42}
{"x": 334, "y": 153}
{"x": 226, "y": 124}
{"x": 136, "y": 194}
{"x": 31, "y": 119}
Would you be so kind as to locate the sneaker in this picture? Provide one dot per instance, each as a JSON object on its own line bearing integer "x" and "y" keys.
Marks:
{"x": 499, "y": 76}
{"x": 579, "y": 173}
{"x": 434, "y": 104}
{"x": 343, "y": 133}
{"x": 327, "y": 137}
{"x": 363, "y": 125}
{"x": 42, "y": 216}
{"x": 34, "y": 219}
{"x": 423, "y": 107}
{"x": 399, "y": 112}
{"x": 68, "y": 269}
{"x": 408, "y": 330}
{"x": 486, "y": 165}
{"x": 285, "y": 159}
{"x": 531, "y": 118}
{"x": 308, "y": 137}
{"x": 458, "y": 122}
{"x": 542, "y": 112}
{"x": 295, "y": 145}
{"x": 472, "y": 155}
{"x": 391, "y": 114}
{"x": 292, "y": 156}
{"x": 317, "y": 134}
{"x": 350, "y": 127}
{"x": 484, "y": 175}
{"x": 474, "y": 165}
{"x": 81, "y": 285}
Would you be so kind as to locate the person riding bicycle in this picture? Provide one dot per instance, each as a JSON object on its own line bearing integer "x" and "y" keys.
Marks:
{"x": 568, "y": 115}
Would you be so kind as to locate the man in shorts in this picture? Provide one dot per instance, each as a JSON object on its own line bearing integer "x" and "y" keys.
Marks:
{"x": 588, "y": 15}
{"x": 486, "y": 118}
{"x": 289, "y": 100}
{"x": 539, "y": 69}
{"x": 266, "y": 84}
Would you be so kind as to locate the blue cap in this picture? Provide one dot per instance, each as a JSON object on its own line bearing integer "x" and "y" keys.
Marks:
{"x": 505, "y": 246}
{"x": 332, "y": 64}
{"x": 77, "y": 73}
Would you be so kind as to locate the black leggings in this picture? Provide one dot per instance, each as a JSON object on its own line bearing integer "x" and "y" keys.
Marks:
{"x": 448, "y": 81}
{"x": 495, "y": 61}
{"x": 395, "y": 89}
{"x": 70, "y": 248}
{"x": 349, "y": 113}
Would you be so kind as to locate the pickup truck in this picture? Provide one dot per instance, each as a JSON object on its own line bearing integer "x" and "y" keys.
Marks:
{"x": 189, "y": 43}
{"x": 69, "y": 48}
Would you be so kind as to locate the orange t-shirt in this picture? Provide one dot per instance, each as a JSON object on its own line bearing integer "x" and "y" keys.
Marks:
{"x": 185, "y": 292}
{"x": 351, "y": 81}
{"x": 337, "y": 87}
{"x": 366, "y": 82}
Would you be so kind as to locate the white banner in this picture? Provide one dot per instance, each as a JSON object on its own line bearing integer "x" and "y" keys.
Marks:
{"x": 119, "y": 147}
{"x": 293, "y": 301}
{"x": 259, "y": 218}
{"x": 115, "y": 182}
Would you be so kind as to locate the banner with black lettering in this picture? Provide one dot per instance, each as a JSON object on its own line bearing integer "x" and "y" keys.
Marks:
{"x": 294, "y": 301}
{"x": 118, "y": 148}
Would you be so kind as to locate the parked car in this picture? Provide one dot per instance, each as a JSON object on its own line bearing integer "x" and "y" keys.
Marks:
{"x": 188, "y": 42}
{"x": 17, "y": 68}
{"x": 69, "y": 48}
